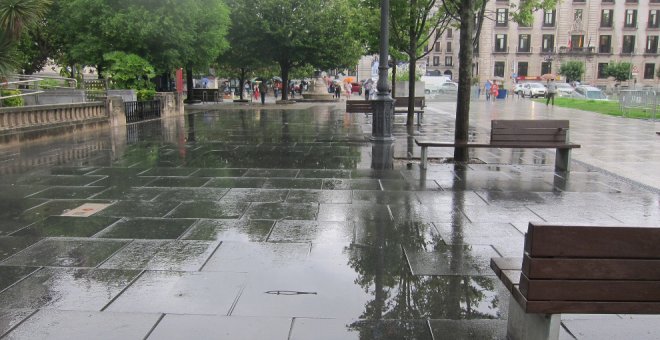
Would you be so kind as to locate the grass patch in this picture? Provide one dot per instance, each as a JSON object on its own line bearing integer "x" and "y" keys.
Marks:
{"x": 610, "y": 108}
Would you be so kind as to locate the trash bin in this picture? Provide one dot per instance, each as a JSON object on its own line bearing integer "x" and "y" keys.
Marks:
{"x": 501, "y": 94}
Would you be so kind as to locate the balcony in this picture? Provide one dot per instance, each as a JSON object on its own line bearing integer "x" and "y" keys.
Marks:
{"x": 577, "y": 50}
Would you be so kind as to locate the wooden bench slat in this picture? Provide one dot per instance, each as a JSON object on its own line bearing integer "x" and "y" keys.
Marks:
{"x": 518, "y": 145}
{"x": 591, "y": 269}
{"x": 546, "y": 240}
{"x": 589, "y": 290}
{"x": 529, "y": 123}
{"x": 529, "y": 138}
{"x": 582, "y": 307}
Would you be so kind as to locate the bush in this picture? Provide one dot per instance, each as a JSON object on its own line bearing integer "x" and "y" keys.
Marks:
{"x": 49, "y": 84}
{"x": 11, "y": 102}
{"x": 143, "y": 95}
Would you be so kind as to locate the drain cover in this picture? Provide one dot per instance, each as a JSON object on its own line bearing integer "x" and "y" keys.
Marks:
{"x": 86, "y": 209}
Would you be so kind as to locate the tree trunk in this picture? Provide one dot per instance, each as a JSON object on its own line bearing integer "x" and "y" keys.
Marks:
{"x": 285, "y": 80}
{"x": 393, "y": 89}
{"x": 464, "y": 80}
{"x": 412, "y": 62}
{"x": 241, "y": 82}
{"x": 189, "y": 83}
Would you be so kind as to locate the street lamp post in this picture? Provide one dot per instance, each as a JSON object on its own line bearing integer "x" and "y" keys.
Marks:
{"x": 383, "y": 105}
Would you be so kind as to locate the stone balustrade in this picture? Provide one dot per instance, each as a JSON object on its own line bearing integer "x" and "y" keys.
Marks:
{"x": 44, "y": 115}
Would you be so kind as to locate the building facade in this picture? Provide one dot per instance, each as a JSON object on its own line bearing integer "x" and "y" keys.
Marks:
{"x": 595, "y": 32}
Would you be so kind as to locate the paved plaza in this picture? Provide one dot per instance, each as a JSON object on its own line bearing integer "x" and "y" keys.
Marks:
{"x": 286, "y": 222}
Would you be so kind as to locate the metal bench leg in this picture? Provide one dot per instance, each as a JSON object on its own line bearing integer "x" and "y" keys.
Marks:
{"x": 563, "y": 160}
{"x": 424, "y": 157}
{"x": 525, "y": 326}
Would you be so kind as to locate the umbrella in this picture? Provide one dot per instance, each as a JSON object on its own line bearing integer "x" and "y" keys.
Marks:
{"x": 348, "y": 79}
{"x": 548, "y": 76}
{"x": 277, "y": 79}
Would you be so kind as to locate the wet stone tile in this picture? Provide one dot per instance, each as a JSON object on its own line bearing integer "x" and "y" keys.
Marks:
{"x": 293, "y": 183}
{"x": 270, "y": 173}
{"x": 117, "y": 172}
{"x": 59, "y": 324}
{"x": 365, "y": 184}
{"x": 67, "y": 289}
{"x": 499, "y": 214}
{"x": 559, "y": 213}
{"x": 139, "y": 209}
{"x": 312, "y": 231}
{"x": 67, "y": 226}
{"x": 10, "y": 318}
{"x": 173, "y": 182}
{"x": 319, "y": 196}
{"x": 352, "y": 212}
{"x": 124, "y": 182}
{"x": 162, "y": 255}
{"x": 168, "y": 172}
{"x": 225, "y": 327}
{"x": 68, "y": 192}
{"x": 278, "y": 211}
{"x": 61, "y": 180}
{"x": 65, "y": 170}
{"x": 452, "y": 260}
{"x": 374, "y": 232}
{"x": 19, "y": 191}
{"x": 324, "y": 173}
{"x": 181, "y": 293}
{"x": 129, "y": 193}
{"x": 192, "y": 194}
{"x": 336, "y": 184}
{"x": 330, "y": 329}
{"x": 468, "y": 329}
{"x": 425, "y": 213}
{"x": 9, "y": 275}
{"x": 252, "y": 256}
{"x": 255, "y": 195}
{"x": 55, "y": 207}
{"x": 511, "y": 198}
{"x": 383, "y": 197}
{"x": 66, "y": 253}
{"x": 10, "y": 245}
{"x": 378, "y": 174}
{"x": 403, "y": 185}
{"x": 209, "y": 172}
{"x": 230, "y": 230}
{"x": 210, "y": 209}
{"x": 136, "y": 255}
{"x": 236, "y": 182}
{"x": 160, "y": 228}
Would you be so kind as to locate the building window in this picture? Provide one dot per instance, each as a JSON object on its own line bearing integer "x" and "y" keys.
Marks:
{"x": 653, "y": 18}
{"x": 631, "y": 18}
{"x": 549, "y": 18}
{"x": 436, "y": 61}
{"x": 437, "y": 47}
{"x": 448, "y": 46}
{"x": 576, "y": 42}
{"x": 601, "y": 70}
{"x": 546, "y": 67}
{"x": 548, "y": 43}
{"x": 500, "y": 42}
{"x": 448, "y": 61}
{"x": 450, "y": 33}
{"x": 502, "y": 17}
{"x": 652, "y": 44}
{"x": 522, "y": 69}
{"x": 628, "y": 44}
{"x": 649, "y": 71}
{"x": 524, "y": 42}
{"x": 475, "y": 69}
{"x": 605, "y": 44}
{"x": 606, "y": 16}
{"x": 499, "y": 69}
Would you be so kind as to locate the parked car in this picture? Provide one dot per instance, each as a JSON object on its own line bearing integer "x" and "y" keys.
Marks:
{"x": 448, "y": 87}
{"x": 518, "y": 89}
{"x": 534, "y": 90}
{"x": 356, "y": 87}
{"x": 564, "y": 90}
{"x": 589, "y": 92}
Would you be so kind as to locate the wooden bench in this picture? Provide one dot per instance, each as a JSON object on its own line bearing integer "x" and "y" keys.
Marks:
{"x": 579, "y": 270}
{"x": 519, "y": 134}
{"x": 365, "y": 106}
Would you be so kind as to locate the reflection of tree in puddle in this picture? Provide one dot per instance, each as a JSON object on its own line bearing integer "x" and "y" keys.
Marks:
{"x": 383, "y": 270}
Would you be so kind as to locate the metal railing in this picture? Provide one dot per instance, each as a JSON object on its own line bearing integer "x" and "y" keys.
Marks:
{"x": 30, "y": 85}
{"x": 142, "y": 110}
{"x": 639, "y": 99}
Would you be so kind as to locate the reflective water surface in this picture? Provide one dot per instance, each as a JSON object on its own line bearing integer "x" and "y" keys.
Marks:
{"x": 274, "y": 223}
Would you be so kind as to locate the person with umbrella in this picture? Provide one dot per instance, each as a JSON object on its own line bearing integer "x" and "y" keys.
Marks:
{"x": 552, "y": 90}
{"x": 263, "y": 89}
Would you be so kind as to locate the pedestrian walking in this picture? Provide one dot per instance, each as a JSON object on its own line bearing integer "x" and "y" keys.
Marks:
{"x": 348, "y": 87}
{"x": 487, "y": 86}
{"x": 367, "y": 89}
{"x": 494, "y": 90}
{"x": 552, "y": 90}
{"x": 263, "y": 89}
{"x": 338, "y": 90}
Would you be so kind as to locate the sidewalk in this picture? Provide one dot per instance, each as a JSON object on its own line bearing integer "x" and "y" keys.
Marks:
{"x": 285, "y": 222}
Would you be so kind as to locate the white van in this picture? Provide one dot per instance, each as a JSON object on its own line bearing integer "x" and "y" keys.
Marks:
{"x": 432, "y": 84}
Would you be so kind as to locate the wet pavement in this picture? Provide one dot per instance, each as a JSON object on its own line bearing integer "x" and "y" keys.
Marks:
{"x": 285, "y": 222}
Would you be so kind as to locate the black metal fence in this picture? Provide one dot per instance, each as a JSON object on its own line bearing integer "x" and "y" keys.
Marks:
{"x": 142, "y": 110}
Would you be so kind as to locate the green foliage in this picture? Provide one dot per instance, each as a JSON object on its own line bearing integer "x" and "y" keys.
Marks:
{"x": 17, "y": 17}
{"x": 145, "y": 94}
{"x": 128, "y": 71}
{"x": 572, "y": 70}
{"x": 49, "y": 84}
{"x": 620, "y": 71}
{"x": 11, "y": 102}
{"x": 403, "y": 74}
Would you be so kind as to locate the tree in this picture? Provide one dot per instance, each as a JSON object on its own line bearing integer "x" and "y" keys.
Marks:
{"x": 572, "y": 70}
{"x": 17, "y": 17}
{"x": 295, "y": 33}
{"x": 128, "y": 71}
{"x": 620, "y": 71}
